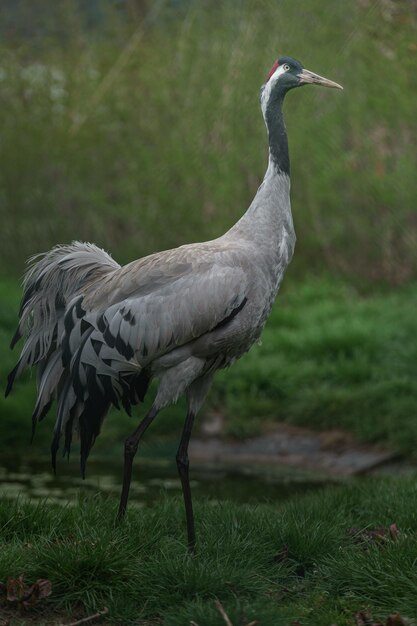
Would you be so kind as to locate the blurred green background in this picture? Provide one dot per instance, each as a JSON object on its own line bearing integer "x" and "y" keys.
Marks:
{"x": 136, "y": 125}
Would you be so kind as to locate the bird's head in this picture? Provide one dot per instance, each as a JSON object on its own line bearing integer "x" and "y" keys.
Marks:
{"x": 287, "y": 73}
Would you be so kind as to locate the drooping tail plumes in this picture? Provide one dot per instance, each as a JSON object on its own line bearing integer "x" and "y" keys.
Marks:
{"x": 51, "y": 284}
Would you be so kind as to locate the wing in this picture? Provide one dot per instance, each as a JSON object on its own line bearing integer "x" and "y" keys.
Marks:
{"x": 125, "y": 337}
{"x": 144, "y": 326}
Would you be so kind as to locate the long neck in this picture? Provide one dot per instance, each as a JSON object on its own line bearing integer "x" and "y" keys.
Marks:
{"x": 270, "y": 210}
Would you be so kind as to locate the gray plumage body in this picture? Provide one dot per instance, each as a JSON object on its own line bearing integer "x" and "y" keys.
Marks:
{"x": 97, "y": 333}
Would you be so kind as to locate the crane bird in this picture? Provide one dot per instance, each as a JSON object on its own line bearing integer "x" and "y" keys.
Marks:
{"x": 98, "y": 333}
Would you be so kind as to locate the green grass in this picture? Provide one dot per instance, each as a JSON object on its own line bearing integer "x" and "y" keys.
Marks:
{"x": 174, "y": 150}
{"x": 141, "y": 570}
{"x": 330, "y": 358}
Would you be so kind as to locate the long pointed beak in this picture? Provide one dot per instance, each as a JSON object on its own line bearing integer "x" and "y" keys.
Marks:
{"x": 307, "y": 77}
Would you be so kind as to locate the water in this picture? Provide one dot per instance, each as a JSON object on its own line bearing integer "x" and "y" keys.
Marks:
{"x": 153, "y": 480}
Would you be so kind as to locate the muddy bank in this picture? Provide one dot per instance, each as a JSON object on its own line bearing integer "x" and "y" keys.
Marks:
{"x": 330, "y": 452}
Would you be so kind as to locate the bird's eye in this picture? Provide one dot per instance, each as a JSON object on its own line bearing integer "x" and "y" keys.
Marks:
{"x": 286, "y": 67}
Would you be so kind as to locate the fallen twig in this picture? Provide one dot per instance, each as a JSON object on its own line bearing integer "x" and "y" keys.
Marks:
{"x": 225, "y": 616}
{"x": 223, "y": 613}
{"x": 89, "y": 618}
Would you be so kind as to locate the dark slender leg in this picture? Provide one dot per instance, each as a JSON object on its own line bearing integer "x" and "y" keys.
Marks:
{"x": 131, "y": 446}
{"x": 183, "y": 465}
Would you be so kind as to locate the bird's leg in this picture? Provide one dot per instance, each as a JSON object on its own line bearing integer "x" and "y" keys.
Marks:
{"x": 131, "y": 446}
{"x": 183, "y": 466}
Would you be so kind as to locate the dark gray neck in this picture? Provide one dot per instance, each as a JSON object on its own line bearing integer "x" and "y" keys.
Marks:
{"x": 277, "y": 133}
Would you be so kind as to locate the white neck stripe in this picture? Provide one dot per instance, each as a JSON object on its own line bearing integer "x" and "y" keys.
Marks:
{"x": 266, "y": 92}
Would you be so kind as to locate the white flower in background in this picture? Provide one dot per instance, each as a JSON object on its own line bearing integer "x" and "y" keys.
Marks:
{"x": 35, "y": 74}
{"x": 53, "y": 79}
{"x": 57, "y": 75}
{"x": 57, "y": 92}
